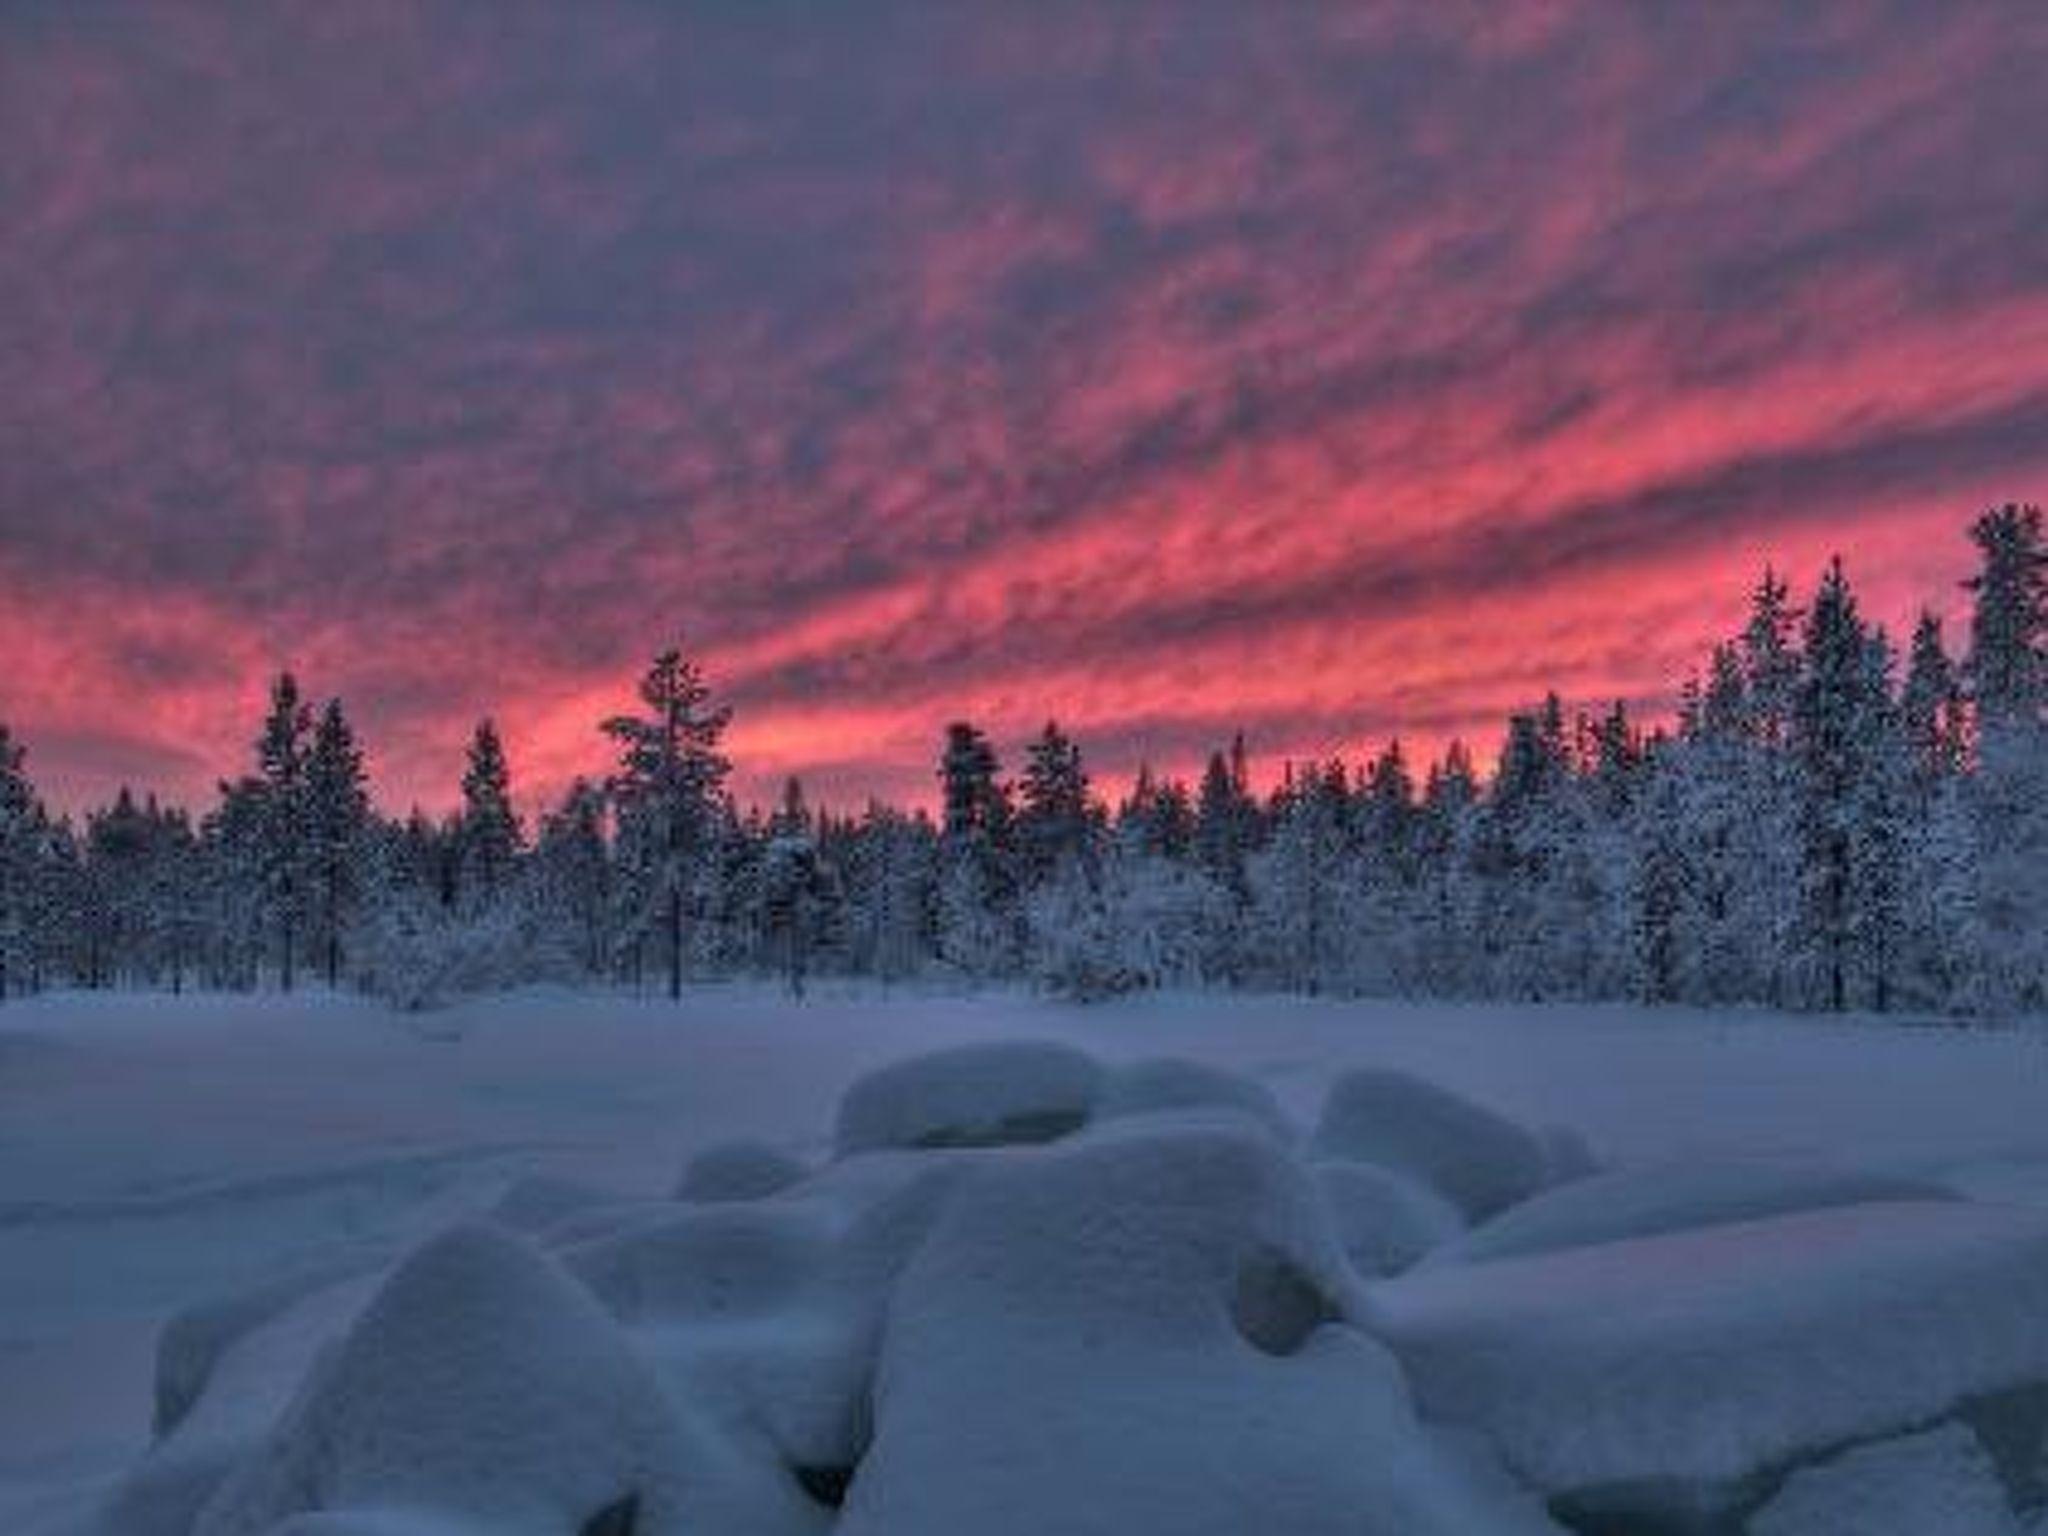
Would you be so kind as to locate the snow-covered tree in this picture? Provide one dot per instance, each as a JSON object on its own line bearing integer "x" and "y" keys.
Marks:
{"x": 281, "y": 758}
{"x": 337, "y": 817}
{"x": 488, "y": 836}
{"x": 666, "y": 790}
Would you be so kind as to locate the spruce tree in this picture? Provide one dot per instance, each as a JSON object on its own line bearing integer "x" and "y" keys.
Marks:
{"x": 281, "y": 758}
{"x": 337, "y": 820}
{"x": 23, "y": 829}
{"x": 1055, "y": 821}
{"x": 488, "y": 837}
{"x": 2007, "y": 675}
{"x": 667, "y": 787}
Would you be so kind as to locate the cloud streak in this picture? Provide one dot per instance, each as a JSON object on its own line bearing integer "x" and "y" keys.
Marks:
{"x": 1331, "y": 372}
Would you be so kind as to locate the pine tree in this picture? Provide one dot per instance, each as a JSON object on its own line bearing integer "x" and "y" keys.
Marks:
{"x": 281, "y": 759}
{"x": 2007, "y": 674}
{"x": 1843, "y": 735}
{"x": 1931, "y": 707}
{"x": 667, "y": 789}
{"x": 23, "y": 830}
{"x": 2008, "y": 663}
{"x": 488, "y": 837}
{"x": 573, "y": 877}
{"x": 337, "y": 820}
{"x": 979, "y": 919}
{"x": 799, "y": 889}
{"x": 1055, "y": 820}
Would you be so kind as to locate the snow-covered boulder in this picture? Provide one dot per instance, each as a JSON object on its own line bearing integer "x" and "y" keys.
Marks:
{"x": 1473, "y": 1157}
{"x": 1671, "y": 1197}
{"x": 1145, "y": 1333}
{"x": 191, "y": 1345}
{"x": 540, "y": 1201}
{"x": 1004, "y": 1093}
{"x": 1671, "y": 1371}
{"x": 718, "y": 1263}
{"x": 739, "y": 1170}
{"x": 1167, "y": 1085}
{"x": 484, "y": 1385}
{"x": 1939, "y": 1483}
{"x": 1384, "y": 1220}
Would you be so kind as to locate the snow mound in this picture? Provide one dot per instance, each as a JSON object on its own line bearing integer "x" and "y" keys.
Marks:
{"x": 1384, "y": 1221}
{"x": 540, "y": 1201}
{"x": 1672, "y": 1197}
{"x": 1169, "y": 1085}
{"x": 1145, "y": 1333}
{"x": 1693, "y": 1360}
{"x": 718, "y": 1263}
{"x": 484, "y": 1385}
{"x": 739, "y": 1170}
{"x": 1005, "y": 1093}
{"x": 1479, "y": 1161}
{"x": 1941, "y": 1481}
{"x": 192, "y": 1343}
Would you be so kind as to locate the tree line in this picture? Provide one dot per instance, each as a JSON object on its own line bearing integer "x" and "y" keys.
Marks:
{"x": 1831, "y": 822}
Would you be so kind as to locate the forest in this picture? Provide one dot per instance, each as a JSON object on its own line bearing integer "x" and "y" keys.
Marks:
{"x": 1832, "y": 821}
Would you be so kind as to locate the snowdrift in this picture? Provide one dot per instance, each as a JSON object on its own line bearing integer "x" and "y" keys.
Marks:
{"x": 1030, "y": 1292}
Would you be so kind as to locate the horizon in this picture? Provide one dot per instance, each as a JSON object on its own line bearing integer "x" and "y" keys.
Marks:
{"x": 1110, "y": 782}
{"x": 1167, "y": 371}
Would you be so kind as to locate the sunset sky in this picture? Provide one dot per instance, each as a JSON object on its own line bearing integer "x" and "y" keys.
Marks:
{"x": 1329, "y": 372}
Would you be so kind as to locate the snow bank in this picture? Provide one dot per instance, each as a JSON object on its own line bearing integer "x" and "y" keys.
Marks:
{"x": 539, "y": 1201}
{"x": 1938, "y": 1482}
{"x": 483, "y": 1384}
{"x": 1001, "y": 1094}
{"x": 1384, "y": 1221}
{"x": 1144, "y": 1333}
{"x": 1479, "y": 1161}
{"x": 1700, "y": 1358}
{"x": 1672, "y": 1197}
{"x": 739, "y": 1170}
{"x": 1169, "y": 1085}
{"x": 718, "y": 1263}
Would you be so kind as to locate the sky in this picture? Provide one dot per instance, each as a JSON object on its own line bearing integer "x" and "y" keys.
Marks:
{"x": 1328, "y": 372}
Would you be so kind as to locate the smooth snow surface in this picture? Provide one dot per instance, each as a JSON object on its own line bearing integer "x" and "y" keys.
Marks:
{"x": 932, "y": 1263}
{"x": 1671, "y": 1197}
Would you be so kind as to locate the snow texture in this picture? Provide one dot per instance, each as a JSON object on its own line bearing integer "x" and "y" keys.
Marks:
{"x": 1001, "y": 1094}
{"x": 738, "y": 1170}
{"x": 1147, "y": 1333}
{"x": 1474, "y": 1158}
{"x": 406, "y": 1283}
{"x": 1672, "y": 1197}
{"x": 1384, "y": 1220}
{"x": 1940, "y": 1483}
{"x": 1705, "y": 1357}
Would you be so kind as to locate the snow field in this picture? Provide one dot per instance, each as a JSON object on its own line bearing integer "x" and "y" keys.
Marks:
{"x": 1088, "y": 1285}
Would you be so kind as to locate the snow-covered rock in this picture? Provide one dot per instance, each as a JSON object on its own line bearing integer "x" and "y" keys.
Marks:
{"x": 1145, "y": 1333}
{"x": 192, "y": 1343}
{"x": 1000, "y": 1094}
{"x": 1679, "y": 1365}
{"x": 1167, "y": 1085}
{"x": 540, "y": 1201}
{"x": 1939, "y": 1483}
{"x": 717, "y": 1263}
{"x": 739, "y": 1170}
{"x": 1671, "y": 1197}
{"x": 1473, "y": 1157}
{"x": 1385, "y": 1221}
{"x": 484, "y": 1385}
